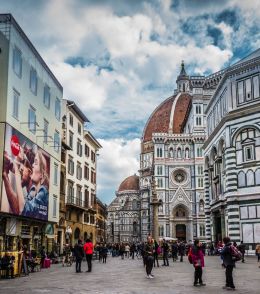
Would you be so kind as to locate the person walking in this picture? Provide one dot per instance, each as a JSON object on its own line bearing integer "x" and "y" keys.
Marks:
{"x": 181, "y": 249}
{"x": 148, "y": 252}
{"x": 242, "y": 249}
{"x": 174, "y": 251}
{"x": 104, "y": 253}
{"x": 198, "y": 262}
{"x": 127, "y": 250}
{"x": 132, "y": 250}
{"x": 79, "y": 254}
{"x": 88, "y": 248}
{"x": 165, "y": 248}
{"x": 229, "y": 263}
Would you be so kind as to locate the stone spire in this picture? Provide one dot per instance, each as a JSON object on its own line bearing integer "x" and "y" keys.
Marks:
{"x": 183, "y": 79}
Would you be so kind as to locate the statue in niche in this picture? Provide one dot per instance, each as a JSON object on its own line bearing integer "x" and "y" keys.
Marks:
{"x": 179, "y": 153}
{"x": 171, "y": 153}
{"x": 187, "y": 155}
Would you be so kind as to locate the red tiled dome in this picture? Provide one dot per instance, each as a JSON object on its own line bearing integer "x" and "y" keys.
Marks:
{"x": 163, "y": 120}
{"x": 130, "y": 183}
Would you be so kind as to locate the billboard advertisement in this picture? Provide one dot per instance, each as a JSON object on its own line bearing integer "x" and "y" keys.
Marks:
{"x": 25, "y": 174}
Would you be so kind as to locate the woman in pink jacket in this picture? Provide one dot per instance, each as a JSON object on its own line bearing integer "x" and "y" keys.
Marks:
{"x": 198, "y": 262}
{"x": 88, "y": 248}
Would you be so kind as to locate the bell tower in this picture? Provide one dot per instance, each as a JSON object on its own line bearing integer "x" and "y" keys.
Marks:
{"x": 183, "y": 80}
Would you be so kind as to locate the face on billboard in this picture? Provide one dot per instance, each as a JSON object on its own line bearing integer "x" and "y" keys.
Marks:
{"x": 26, "y": 170}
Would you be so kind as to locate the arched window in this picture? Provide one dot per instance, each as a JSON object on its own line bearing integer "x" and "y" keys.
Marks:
{"x": 241, "y": 179}
{"x": 257, "y": 176}
{"x": 250, "y": 178}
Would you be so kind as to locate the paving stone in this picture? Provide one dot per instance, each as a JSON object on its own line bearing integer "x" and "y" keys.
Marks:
{"x": 128, "y": 277}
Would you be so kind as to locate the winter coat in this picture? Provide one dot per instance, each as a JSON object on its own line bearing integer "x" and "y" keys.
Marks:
{"x": 226, "y": 255}
{"x": 88, "y": 248}
{"x": 78, "y": 252}
{"x": 197, "y": 256}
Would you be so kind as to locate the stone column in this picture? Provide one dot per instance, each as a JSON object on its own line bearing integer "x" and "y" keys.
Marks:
{"x": 207, "y": 205}
{"x": 155, "y": 204}
{"x": 231, "y": 175}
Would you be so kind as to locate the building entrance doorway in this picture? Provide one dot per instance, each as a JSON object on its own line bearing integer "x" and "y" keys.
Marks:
{"x": 181, "y": 232}
{"x": 218, "y": 228}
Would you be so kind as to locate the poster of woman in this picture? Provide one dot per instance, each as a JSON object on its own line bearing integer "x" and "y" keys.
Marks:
{"x": 26, "y": 170}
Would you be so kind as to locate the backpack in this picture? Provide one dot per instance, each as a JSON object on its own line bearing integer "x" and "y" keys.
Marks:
{"x": 159, "y": 251}
{"x": 190, "y": 256}
{"x": 235, "y": 253}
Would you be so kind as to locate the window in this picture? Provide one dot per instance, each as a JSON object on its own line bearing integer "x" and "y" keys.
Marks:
{"x": 16, "y": 97}
{"x": 249, "y": 153}
{"x": 79, "y": 148}
{"x": 79, "y": 172}
{"x": 86, "y": 172}
{"x": 160, "y": 183}
{"x": 54, "y": 208}
{"x": 93, "y": 177}
{"x": 198, "y": 121}
{"x": 241, "y": 179}
{"x": 86, "y": 198}
{"x": 32, "y": 119}
{"x": 46, "y": 96}
{"x": 33, "y": 81}
{"x": 256, "y": 87}
{"x": 17, "y": 62}
{"x": 250, "y": 178}
{"x": 159, "y": 152}
{"x": 199, "y": 152}
{"x": 240, "y": 92}
{"x": 93, "y": 156}
{"x": 202, "y": 230}
{"x": 200, "y": 182}
{"x": 55, "y": 180}
{"x": 198, "y": 109}
{"x": 56, "y": 141}
{"x": 71, "y": 120}
{"x": 45, "y": 131}
{"x": 248, "y": 89}
{"x": 71, "y": 139}
{"x": 200, "y": 170}
{"x": 57, "y": 108}
{"x": 70, "y": 192}
{"x": 159, "y": 170}
{"x": 71, "y": 166}
{"x": 79, "y": 128}
{"x": 86, "y": 150}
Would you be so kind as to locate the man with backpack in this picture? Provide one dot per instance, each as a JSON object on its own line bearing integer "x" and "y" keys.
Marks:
{"x": 230, "y": 255}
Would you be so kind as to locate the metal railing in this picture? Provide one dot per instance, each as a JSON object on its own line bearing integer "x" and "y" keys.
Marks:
{"x": 76, "y": 201}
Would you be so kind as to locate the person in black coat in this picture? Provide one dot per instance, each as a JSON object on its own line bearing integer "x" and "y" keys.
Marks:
{"x": 229, "y": 263}
{"x": 79, "y": 254}
{"x": 181, "y": 249}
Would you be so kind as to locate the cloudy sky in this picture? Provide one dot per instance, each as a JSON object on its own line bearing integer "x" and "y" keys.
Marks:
{"x": 119, "y": 59}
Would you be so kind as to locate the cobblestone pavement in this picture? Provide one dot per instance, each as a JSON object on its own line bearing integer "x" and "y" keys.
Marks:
{"x": 128, "y": 276}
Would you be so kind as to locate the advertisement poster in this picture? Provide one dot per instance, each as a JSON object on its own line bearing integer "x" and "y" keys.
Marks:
{"x": 25, "y": 174}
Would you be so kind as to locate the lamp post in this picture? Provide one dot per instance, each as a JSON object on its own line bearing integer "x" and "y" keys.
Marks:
{"x": 155, "y": 204}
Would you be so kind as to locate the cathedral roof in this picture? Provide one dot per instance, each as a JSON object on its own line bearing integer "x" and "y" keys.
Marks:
{"x": 129, "y": 184}
{"x": 169, "y": 116}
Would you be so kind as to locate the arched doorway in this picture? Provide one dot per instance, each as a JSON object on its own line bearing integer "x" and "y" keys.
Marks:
{"x": 181, "y": 232}
{"x": 76, "y": 234}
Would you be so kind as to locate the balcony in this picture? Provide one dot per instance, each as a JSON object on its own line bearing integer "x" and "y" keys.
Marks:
{"x": 76, "y": 202}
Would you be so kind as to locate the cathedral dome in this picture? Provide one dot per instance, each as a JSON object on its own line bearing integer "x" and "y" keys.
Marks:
{"x": 130, "y": 184}
{"x": 168, "y": 117}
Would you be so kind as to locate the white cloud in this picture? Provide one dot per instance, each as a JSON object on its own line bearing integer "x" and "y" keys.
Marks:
{"x": 119, "y": 158}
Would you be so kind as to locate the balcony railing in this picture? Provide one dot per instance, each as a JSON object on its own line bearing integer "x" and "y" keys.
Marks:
{"x": 76, "y": 201}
